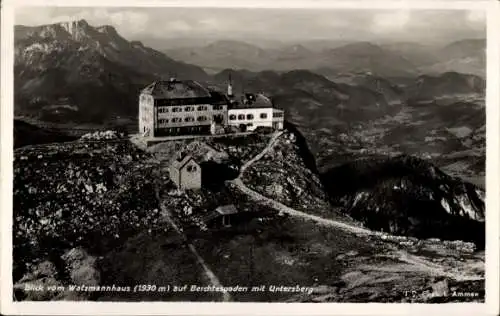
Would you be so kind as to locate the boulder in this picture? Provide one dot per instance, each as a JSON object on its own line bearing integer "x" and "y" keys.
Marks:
{"x": 81, "y": 267}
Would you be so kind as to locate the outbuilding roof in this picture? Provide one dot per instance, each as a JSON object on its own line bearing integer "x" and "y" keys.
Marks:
{"x": 219, "y": 211}
{"x": 227, "y": 209}
{"x": 180, "y": 163}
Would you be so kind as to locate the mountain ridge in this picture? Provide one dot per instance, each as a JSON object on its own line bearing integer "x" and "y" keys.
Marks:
{"x": 386, "y": 59}
{"x": 57, "y": 60}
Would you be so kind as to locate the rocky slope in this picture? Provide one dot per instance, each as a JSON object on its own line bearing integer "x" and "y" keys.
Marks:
{"x": 107, "y": 224}
{"x": 73, "y": 194}
{"x": 287, "y": 173}
{"x": 83, "y": 196}
{"x": 408, "y": 196}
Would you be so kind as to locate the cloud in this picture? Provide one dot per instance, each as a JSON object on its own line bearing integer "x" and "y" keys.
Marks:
{"x": 130, "y": 22}
{"x": 212, "y": 24}
{"x": 177, "y": 25}
{"x": 476, "y": 16}
{"x": 395, "y": 21}
{"x": 292, "y": 24}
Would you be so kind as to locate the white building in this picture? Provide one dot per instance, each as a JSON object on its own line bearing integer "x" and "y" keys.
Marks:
{"x": 185, "y": 107}
{"x": 254, "y": 111}
{"x": 180, "y": 107}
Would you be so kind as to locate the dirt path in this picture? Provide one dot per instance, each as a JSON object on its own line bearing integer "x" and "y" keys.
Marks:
{"x": 288, "y": 210}
{"x": 214, "y": 280}
{"x": 271, "y": 143}
{"x": 416, "y": 262}
{"x": 283, "y": 208}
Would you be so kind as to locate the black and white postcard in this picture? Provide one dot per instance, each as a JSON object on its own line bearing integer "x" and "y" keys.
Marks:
{"x": 206, "y": 157}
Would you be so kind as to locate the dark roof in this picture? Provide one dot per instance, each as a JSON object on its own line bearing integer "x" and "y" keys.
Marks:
{"x": 227, "y": 209}
{"x": 177, "y": 89}
{"x": 250, "y": 100}
{"x": 218, "y": 98}
{"x": 180, "y": 163}
{"x": 219, "y": 211}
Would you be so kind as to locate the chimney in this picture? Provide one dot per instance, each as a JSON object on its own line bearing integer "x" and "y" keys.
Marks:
{"x": 229, "y": 87}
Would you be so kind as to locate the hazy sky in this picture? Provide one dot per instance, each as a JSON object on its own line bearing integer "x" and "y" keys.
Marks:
{"x": 282, "y": 24}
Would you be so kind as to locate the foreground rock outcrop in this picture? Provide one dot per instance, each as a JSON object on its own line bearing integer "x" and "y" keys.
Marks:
{"x": 91, "y": 195}
{"x": 56, "y": 281}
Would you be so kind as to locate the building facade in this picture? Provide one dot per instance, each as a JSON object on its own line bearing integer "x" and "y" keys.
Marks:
{"x": 255, "y": 110}
{"x": 174, "y": 107}
{"x": 252, "y": 118}
{"x": 169, "y": 108}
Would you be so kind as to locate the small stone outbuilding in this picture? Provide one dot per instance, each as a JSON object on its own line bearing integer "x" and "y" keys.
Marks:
{"x": 185, "y": 172}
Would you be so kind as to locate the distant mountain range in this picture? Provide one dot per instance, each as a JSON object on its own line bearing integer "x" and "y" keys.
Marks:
{"x": 396, "y": 59}
{"x": 449, "y": 83}
{"x": 77, "y": 71}
{"x": 74, "y": 71}
{"x": 313, "y": 98}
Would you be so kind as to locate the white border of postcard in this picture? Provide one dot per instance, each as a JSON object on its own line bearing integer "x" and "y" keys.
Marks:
{"x": 490, "y": 307}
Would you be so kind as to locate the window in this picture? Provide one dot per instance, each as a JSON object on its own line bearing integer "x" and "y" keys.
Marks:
{"x": 202, "y": 108}
{"x": 202, "y": 118}
{"x": 249, "y": 124}
{"x": 176, "y": 120}
{"x": 189, "y": 108}
{"x": 241, "y": 117}
{"x": 232, "y": 117}
{"x": 218, "y": 107}
{"x": 191, "y": 168}
{"x": 176, "y": 109}
{"x": 189, "y": 119}
{"x": 277, "y": 114}
{"x": 249, "y": 116}
{"x": 218, "y": 118}
{"x": 263, "y": 115}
